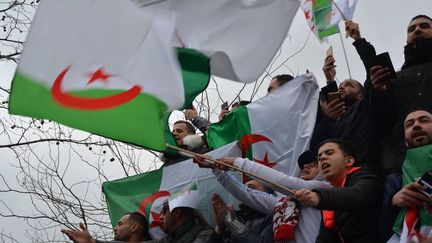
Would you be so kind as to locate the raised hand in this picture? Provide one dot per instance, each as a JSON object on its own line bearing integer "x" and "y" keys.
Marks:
{"x": 82, "y": 236}
{"x": 190, "y": 114}
{"x": 352, "y": 29}
{"x": 329, "y": 68}
{"x": 223, "y": 114}
{"x": 380, "y": 78}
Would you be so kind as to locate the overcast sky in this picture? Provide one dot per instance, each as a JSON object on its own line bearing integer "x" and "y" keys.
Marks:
{"x": 383, "y": 23}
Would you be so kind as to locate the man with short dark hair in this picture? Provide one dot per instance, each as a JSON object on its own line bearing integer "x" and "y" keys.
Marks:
{"x": 347, "y": 114}
{"x": 308, "y": 164}
{"x": 411, "y": 88}
{"x": 180, "y": 130}
{"x": 179, "y": 217}
{"x": 185, "y": 130}
{"x": 278, "y": 81}
{"x": 403, "y": 192}
{"x": 351, "y": 206}
{"x": 132, "y": 227}
{"x": 180, "y": 226}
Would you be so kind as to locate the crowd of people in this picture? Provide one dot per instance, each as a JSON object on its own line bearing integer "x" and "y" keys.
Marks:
{"x": 367, "y": 174}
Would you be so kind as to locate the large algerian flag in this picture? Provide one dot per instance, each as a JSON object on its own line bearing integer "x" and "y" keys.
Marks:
{"x": 323, "y": 16}
{"x": 414, "y": 224}
{"x": 146, "y": 192}
{"x": 105, "y": 67}
{"x": 276, "y": 128}
{"x": 90, "y": 64}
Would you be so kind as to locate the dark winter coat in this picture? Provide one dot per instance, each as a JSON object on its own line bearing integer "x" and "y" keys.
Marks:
{"x": 358, "y": 123}
{"x": 356, "y": 207}
{"x": 411, "y": 89}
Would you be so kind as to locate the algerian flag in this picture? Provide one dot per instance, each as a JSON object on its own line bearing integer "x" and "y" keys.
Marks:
{"x": 323, "y": 16}
{"x": 277, "y": 127}
{"x": 414, "y": 224}
{"x": 146, "y": 192}
{"x": 105, "y": 67}
{"x": 241, "y": 37}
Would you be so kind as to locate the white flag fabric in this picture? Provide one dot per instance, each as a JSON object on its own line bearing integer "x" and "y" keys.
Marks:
{"x": 347, "y": 7}
{"x": 102, "y": 66}
{"x": 277, "y": 127}
{"x": 240, "y": 36}
{"x": 134, "y": 49}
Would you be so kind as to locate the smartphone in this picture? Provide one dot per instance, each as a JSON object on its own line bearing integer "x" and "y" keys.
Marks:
{"x": 332, "y": 96}
{"x": 329, "y": 51}
{"x": 384, "y": 60}
{"x": 224, "y": 106}
{"x": 426, "y": 182}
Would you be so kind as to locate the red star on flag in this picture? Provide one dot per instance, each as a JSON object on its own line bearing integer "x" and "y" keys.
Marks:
{"x": 307, "y": 14}
{"x": 266, "y": 161}
{"x": 99, "y": 74}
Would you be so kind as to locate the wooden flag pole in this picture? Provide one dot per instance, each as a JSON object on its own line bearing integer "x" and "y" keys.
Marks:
{"x": 192, "y": 154}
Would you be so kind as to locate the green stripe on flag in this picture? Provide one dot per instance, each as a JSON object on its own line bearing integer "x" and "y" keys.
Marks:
{"x": 125, "y": 195}
{"x": 234, "y": 125}
{"x": 327, "y": 32}
{"x": 196, "y": 77}
{"x": 322, "y": 16}
{"x": 195, "y": 72}
{"x": 321, "y": 4}
{"x": 411, "y": 171}
{"x": 136, "y": 122}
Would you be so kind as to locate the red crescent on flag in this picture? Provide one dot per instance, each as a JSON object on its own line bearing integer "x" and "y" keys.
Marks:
{"x": 83, "y": 103}
{"x": 247, "y": 140}
{"x": 146, "y": 201}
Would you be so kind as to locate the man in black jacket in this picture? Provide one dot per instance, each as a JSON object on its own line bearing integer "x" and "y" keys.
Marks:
{"x": 349, "y": 116}
{"x": 411, "y": 88}
{"x": 398, "y": 195}
{"x": 351, "y": 207}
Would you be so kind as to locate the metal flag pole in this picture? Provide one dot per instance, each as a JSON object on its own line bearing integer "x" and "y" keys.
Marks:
{"x": 341, "y": 39}
{"x": 345, "y": 54}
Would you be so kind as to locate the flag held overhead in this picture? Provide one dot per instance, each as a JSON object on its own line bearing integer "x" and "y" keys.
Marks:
{"x": 102, "y": 82}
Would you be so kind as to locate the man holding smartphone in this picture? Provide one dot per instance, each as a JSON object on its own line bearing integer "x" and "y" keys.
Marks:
{"x": 411, "y": 188}
{"x": 344, "y": 112}
{"x": 411, "y": 88}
